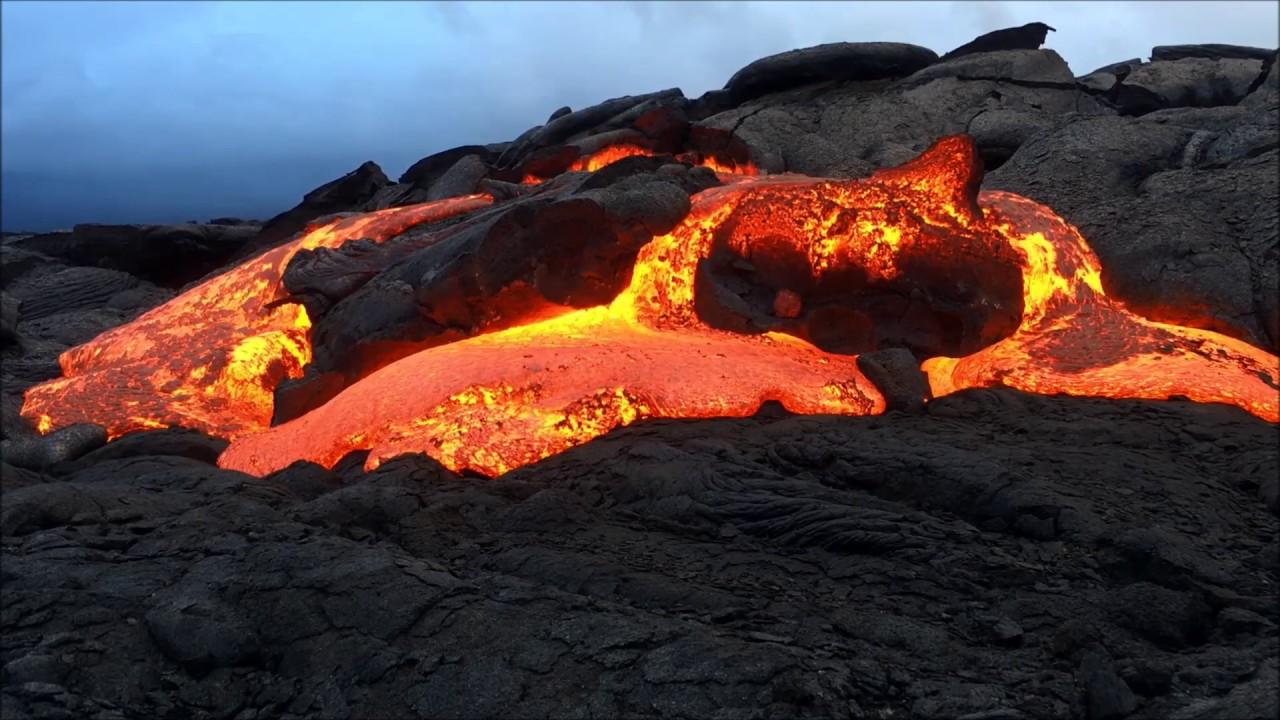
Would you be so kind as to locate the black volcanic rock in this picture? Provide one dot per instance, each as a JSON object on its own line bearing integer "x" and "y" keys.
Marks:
{"x": 62, "y": 445}
{"x": 851, "y": 128}
{"x": 349, "y": 192}
{"x": 426, "y": 171}
{"x": 1158, "y": 215}
{"x": 1211, "y": 51}
{"x": 896, "y": 373}
{"x": 571, "y": 243}
{"x": 1025, "y": 37}
{"x": 73, "y": 288}
{"x": 811, "y": 564}
{"x": 173, "y": 442}
{"x": 1190, "y": 82}
{"x": 830, "y": 62}
{"x": 1028, "y": 67}
{"x": 461, "y": 179}
{"x": 612, "y": 114}
{"x": 167, "y": 255}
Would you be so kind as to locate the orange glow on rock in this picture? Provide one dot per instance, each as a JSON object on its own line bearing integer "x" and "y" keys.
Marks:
{"x": 1075, "y": 340}
{"x": 727, "y": 171}
{"x": 608, "y": 156}
{"x": 209, "y": 359}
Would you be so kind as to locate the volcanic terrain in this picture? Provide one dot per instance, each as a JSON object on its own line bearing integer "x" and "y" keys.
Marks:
{"x": 875, "y": 384}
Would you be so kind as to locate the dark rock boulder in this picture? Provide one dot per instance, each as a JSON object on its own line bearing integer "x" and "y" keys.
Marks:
{"x": 1107, "y": 78}
{"x": 570, "y": 243}
{"x": 823, "y": 63}
{"x": 349, "y": 192}
{"x": 426, "y": 171}
{"x": 395, "y": 195}
{"x": 62, "y": 445}
{"x": 1106, "y": 695}
{"x": 1000, "y": 132}
{"x": 461, "y": 179}
{"x": 1026, "y": 67}
{"x": 1025, "y": 37}
{"x": 167, "y": 255}
{"x": 896, "y": 373}
{"x": 1211, "y": 51}
{"x": 847, "y": 129}
{"x": 1193, "y": 82}
{"x": 611, "y": 114}
{"x": 1100, "y": 82}
{"x": 175, "y": 442}
{"x": 1161, "y": 220}
{"x": 201, "y": 635}
{"x": 1119, "y": 69}
{"x": 16, "y": 262}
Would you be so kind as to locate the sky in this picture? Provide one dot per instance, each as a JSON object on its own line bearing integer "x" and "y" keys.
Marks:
{"x": 144, "y": 112}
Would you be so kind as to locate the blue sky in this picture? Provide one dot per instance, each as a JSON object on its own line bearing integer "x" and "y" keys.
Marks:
{"x": 168, "y": 111}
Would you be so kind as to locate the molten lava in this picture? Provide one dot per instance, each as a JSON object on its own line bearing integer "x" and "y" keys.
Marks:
{"x": 210, "y": 358}
{"x": 611, "y": 154}
{"x": 1075, "y": 340}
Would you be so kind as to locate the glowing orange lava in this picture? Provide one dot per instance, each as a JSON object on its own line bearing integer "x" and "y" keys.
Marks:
{"x": 209, "y": 359}
{"x": 494, "y": 402}
{"x": 1075, "y": 340}
{"x": 613, "y": 153}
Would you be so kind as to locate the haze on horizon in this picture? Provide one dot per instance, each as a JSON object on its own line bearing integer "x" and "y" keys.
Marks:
{"x": 124, "y": 112}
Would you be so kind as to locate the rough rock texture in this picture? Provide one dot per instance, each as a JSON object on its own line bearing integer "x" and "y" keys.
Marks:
{"x": 349, "y": 192}
{"x": 988, "y": 555}
{"x": 849, "y": 129}
{"x": 1160, "y": 201}
{"x": 1211, "y": 51}
{"x": 166, "y": 255}
{"x": 1190, "y": 82}
{"x": 572, "y": 243}
{"x": 1026, "y": 37}
{"x": 821, "y": 63}
{"x": 62, "y": 445}
{"x": 998, "y": 556}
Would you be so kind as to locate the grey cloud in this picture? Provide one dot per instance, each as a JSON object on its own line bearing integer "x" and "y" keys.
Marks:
{"x": 167, "y": 111}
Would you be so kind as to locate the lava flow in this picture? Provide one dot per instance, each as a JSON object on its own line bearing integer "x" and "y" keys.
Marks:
{"x": 1024, "y": 280}
{"x": 1075, "y": 340}
{"x": 209, "y": 359}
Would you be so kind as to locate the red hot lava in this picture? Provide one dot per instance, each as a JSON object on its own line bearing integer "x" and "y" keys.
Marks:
{"x": 501, "y": 400}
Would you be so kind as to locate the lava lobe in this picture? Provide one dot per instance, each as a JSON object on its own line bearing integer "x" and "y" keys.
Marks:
{"x": 765, "y": 291}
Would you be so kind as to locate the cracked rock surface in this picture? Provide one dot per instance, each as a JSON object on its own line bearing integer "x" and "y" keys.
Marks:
{"x": 997, "y": 555}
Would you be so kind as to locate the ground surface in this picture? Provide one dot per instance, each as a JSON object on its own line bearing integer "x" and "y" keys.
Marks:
{"x": 998, "y": 556}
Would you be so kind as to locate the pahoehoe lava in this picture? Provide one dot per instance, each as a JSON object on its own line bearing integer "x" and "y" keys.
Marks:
{"x": 875, "y": 384}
